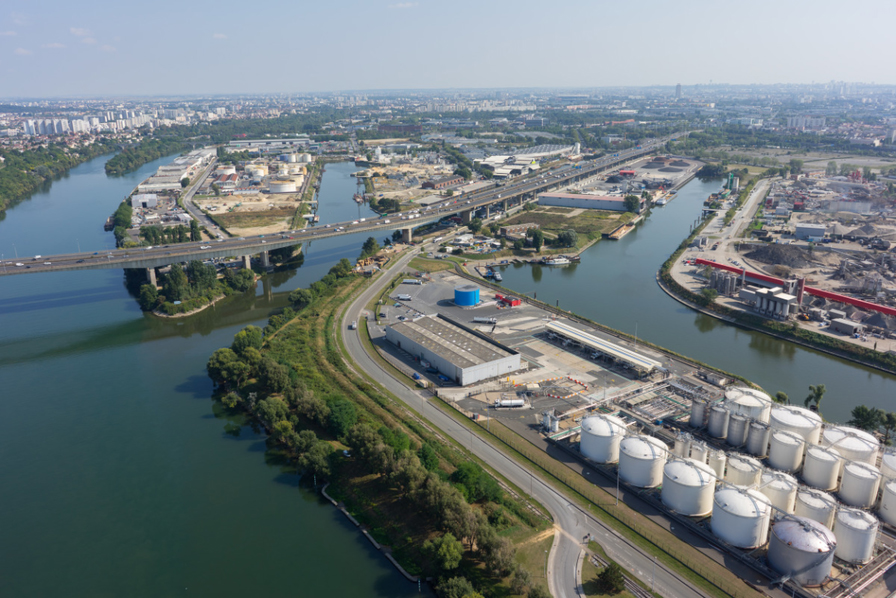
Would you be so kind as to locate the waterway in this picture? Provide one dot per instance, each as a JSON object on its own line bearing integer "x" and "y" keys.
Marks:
{"x": 118, "y": 476}
{"x": 615, "y": 285}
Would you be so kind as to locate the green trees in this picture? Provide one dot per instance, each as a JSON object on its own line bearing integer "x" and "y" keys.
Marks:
{"x": 796, "y": 166}
{"x": 300, "y": 298}
{"x": 225, "y": 368}
{"x": 250, "y": 336}
{"x": 632, "y": 203}
{"x": 831, "y": 169}
{"x": 475, "y": 484}
{"x": 148, "y": 298}
{"x": 239, "y": 280}
{"x": 537, "y": 239}
{"x": 446, "y": 551}
{"x": 175, "y": 285}
{"x": 475, "y": 225}
{"x": 611, "y": 579}
{"x": 195, "y": 233}
{"x": 184, "y": 182}
{"x": 456, "y": 587}
{"x": 711, "y": 171}
{"x": 816, "y": 393}
{"x": 781, "y": 398}
{"x": 707, "y": 296}
{"x": 866, "y": 418}
{"x": 370, "y": 247}
{"x": 343, "y": 415}
{"x": 568, "y": 238}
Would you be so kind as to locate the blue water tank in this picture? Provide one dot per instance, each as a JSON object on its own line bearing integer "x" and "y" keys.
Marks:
{"x": 466, "y": 295}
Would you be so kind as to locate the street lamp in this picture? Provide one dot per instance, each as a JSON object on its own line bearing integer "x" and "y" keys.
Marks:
{"x": 545, "y": 564}
{"x": 653, "y": 575}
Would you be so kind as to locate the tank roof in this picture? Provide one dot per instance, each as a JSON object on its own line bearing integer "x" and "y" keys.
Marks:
{"x": 857, "y": 519}
{"x": 805, "y": 534}
{"x": 788, "y": 437}
{"x": 747, "y": 397}
{"x": 689, "y": 472}
{"x": 862, "y": 470}
{"x": 798, "y": 417}
{"x": 778, "y": 479}
{"x": 603, "y": 425}
{"x": 816, "y": 498}
{"x": 824, "y": 453}
{"x": 851, "y": 439}
{"x": 744, "y": 462}
{"x": 742, "y": 502}
{"x": 643, "y": 447}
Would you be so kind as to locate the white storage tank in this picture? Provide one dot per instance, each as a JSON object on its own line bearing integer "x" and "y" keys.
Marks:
{"x": 601, "y": 436}
{"x": 802, "y": 549}
{"x": 785, "y": 450}
{"x": 853, "y": 444}
{"x": 780, "y": 488}
{"x": 737, "y": 430}
{"x": 752, "y": 404}
{"x": 688, "y": 487}
{"x": 698, "y": 413}
{"x": 758, "y": 436}
{"x": 887, "y": 510}
{"x": 740, "y": 517}
{"x": 282, "y": 186}
{"x": 716, "y": 462}
{"x": 817, "y": 505}
{"x": 641, "y": 460}
{"x": 743, "y": 470}
{"x": 821, "y": 468}
{"x": 718, "y": 421}
{"x": 856, "y": 533}
{"x": 699, "y": 451}
{"x": 798, "y": 420}
{"x": 888, "y": 464}
{"x": 860, "y": 484}
{"x": 682, "y": 445}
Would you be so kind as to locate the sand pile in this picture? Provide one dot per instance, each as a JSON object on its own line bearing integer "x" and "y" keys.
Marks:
{"x": 784, "y": 255}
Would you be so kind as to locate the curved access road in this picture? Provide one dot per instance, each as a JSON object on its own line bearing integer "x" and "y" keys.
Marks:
{"x": 571, "y": 523}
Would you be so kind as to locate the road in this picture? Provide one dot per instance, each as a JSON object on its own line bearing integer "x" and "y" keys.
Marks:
{"x": 190, "y": 207}
{"x": 571, "y": 522}
{"x": 154, "y": 257}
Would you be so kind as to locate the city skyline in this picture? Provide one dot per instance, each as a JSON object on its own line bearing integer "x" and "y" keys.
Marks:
{"x": 54, "y": 49}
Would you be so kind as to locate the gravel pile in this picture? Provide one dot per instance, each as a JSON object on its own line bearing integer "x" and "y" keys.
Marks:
{"x": 670, "y": 169}
{"x": 679, "y": 163}
{"x": 784, "y": 255}
{"x": 653, "y": 165}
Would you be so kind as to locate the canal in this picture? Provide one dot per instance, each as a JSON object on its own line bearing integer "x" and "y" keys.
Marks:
{"x": 615, "y": 285}
{"x": 119, "y": 476}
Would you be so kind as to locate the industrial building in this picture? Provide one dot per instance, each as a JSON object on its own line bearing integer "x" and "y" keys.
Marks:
{"x": 443, "y": 182}
{"x": 805, "y": 230}
{"x": 144, "y": 200}
{"x": 636, "y": 361}
{"x": 517, "y": 229}
{"x": 771, "y": 302}
{"x": 844, "y": 326}
{"x": 457, "y": 352}
{"x": 615, "y": 203}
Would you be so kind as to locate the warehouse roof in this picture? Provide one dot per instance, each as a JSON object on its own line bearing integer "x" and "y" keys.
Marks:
{"x": 458, "y": 344}
{"x": 636, "y": 360}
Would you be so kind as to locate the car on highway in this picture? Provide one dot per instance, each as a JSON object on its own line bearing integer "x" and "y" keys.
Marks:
{"x": 80, "y": 262}
{"x": 19, "y": 264}
{"x": 48, "y": 263}
{"x": 205, "y": 247}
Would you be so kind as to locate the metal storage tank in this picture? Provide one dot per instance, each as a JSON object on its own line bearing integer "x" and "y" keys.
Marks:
{"x": 682, "y": 445}
{"x": 601, "y": 436}
{"x": 282, "y": 186}
{"x": 751, "y": 403}
{"x": 888, "y": 464}
{"x": 817, "y": 505}
{"x": 798, "y": 420}
{"x": 856, "y": 533}
{"x": 716, "y": 462}
{"x": 743, "y": 470}
{"x": 688, "y": 487}
{"x": 887, "y": 510}
{"x": 822, "y": 467}
{"x": 860, "y": 484}
{"x": 802, "y": 549}
{"x": 757, "y": 439}
{"x": 699, "y": 451}
{"x": 466, "y": 295}
{"x": 641, "y": 461}
{"x": 718, "y": 421}
{"x": 740, "y": 517}
{"x": 698, "y": 413}
{"x": 737, "y": 430}
{"x": 785, "y": 450}
{"x": 780, "y": 488}
{"x": 853, "y": 444}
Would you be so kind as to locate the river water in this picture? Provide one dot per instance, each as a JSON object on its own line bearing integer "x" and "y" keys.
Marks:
{"x": 615, "y": 285}
{"x": 118, "y": 478}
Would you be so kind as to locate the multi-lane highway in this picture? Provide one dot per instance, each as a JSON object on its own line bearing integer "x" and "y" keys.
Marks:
{"x": 571, "y": 523}
{"x": 153, "y": 257}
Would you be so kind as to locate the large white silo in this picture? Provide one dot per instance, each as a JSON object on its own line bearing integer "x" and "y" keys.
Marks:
{"x": 821, "y": 468}
{"x": 688, "y": 487}
{"x": 749, "y": 402}
{"x": 717, "y": 426}
{"x": 785, "y": 450}
{"x": 816, "y": 505}
{"x": 743, "y": 470}
{"x": 852, "y": 444}
{"x": 740, "y": 517}
{"x": 860, "y": 484}
{"x": 780, "y": 488}
{"x": 601, "y": 436}
{"x": 802, "y": 549}
{"x": 856, "y": 533}
{"x": 887, "y": 510}
{"x": 798, "y": 420}
{"x": 641, "y": 460}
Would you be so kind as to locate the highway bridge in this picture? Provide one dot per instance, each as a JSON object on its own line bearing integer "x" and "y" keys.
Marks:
{"x": 510, "y": 194}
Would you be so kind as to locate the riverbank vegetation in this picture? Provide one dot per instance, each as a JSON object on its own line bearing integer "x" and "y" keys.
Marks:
{"x": 191, "y": 288}
{"x": 161, "y": 235}
{"x": 441, "y": 514}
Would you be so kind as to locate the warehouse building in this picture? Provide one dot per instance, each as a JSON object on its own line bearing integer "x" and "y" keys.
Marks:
{"x": 614, "y": 203}
{"x": 459, "y": 353}
{"x": 809, "y": 231}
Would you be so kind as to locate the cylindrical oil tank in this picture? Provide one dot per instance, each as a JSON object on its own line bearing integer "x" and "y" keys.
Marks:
{"x": 888, "y": 464}
{"x": 798, "y": 420}
{"x": 737, "y": 429}
{"x": 641, "y": 460}
{"x": 601, "y": 436}
{"x": 821, "y": 468}
{"x": 817, "y": 505}
{"x": 688, "y": 487}
{"x": 860, "y": 484}
{"x": 757, "y": 439}
{"x": 780, "y": 488}
{"x": 740, "y": 517}
{"x": 282, "y": 186}
{"x": 466, "y": 295}
{"x": 752, "y": 404}
{"x": 743, "y": 470}
{"x": 698, "y": 413}
{"x": 887, "y": 510}
{"x": 852, "y": 444}
{"x": 699, "y": 451}
{"x": 718, "y": 421}
{"x": 856, "y": 533}
{"x": 682, "y": 445}
{"x": 716, "y": 462}
{"x": 802, "y": 549}
{"x": 785, "y": 450}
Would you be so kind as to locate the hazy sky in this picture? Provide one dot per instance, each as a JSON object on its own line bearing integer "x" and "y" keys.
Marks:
{"x": 98, "y": 47}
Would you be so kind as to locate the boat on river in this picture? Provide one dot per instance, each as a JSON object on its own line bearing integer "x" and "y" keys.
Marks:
{"x": 560, "y": 260}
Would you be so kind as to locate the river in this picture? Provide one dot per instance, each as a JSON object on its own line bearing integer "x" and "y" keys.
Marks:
{"x": 615, "y": 285}
{"x": 119, "y": 478}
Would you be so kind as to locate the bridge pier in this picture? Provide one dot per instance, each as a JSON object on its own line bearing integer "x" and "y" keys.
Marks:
{"x": 488, "y": 210}
{"x": 247, "y": 262}
{"x": 151, "y": 277}
{"x": 265, "y": 260}
{"x": 407, "y": 235}
{"x": 466, "y": 216}
{"x": 506, "y": 205}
